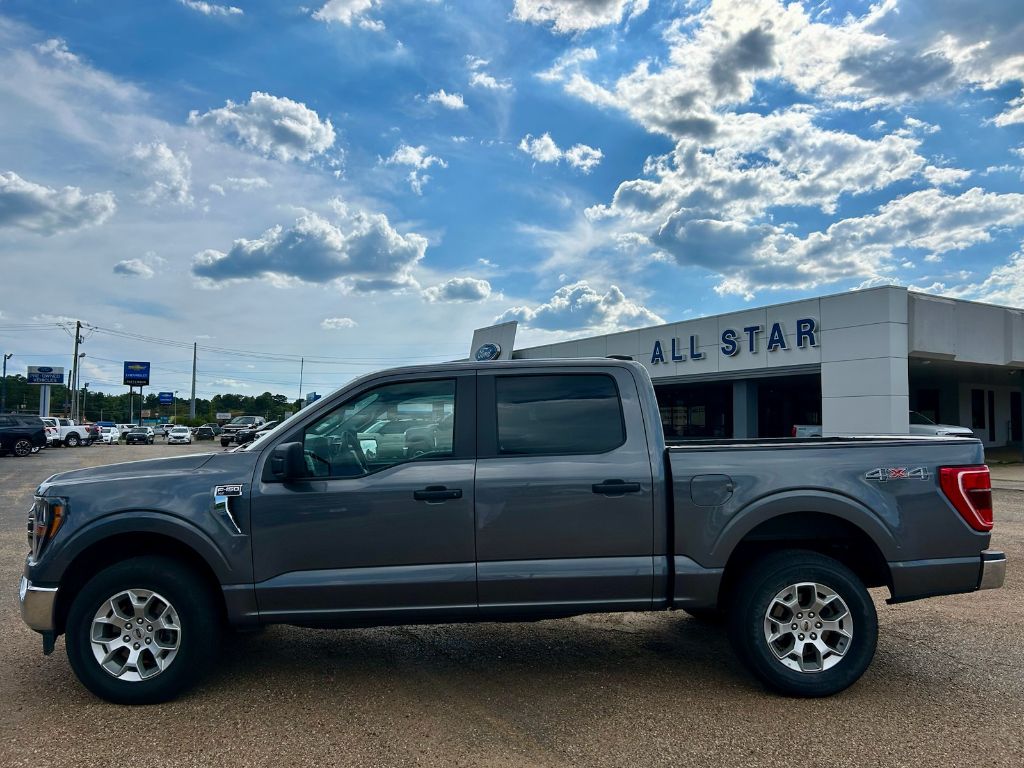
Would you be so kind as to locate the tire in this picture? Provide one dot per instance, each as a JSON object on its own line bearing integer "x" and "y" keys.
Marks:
{"x": 779, "y": 591}
{"x": 72, "y": 440}
{"x": 22, "y": 448}
{"x": 154, "y": 582}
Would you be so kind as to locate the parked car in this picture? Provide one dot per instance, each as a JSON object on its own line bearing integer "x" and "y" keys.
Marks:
{"x": 238, "y": 423}
{"x": 21, "y": 434}
{"x": 557, "y": 496}
{"x": 179, "y": 436}
{"x": 110, "y": 435}
{"x": 68, "y": 432}
{"x": 243, "y": 436}
{"x": 124, "y": 429}
{"x": 922, "y": 425}
{"x": 207, "y": 432}
{"x": 806, "y": 430}
{"x": 140, "y": 435}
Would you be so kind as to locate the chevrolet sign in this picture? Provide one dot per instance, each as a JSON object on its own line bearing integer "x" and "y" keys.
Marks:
{"x": 136, "y": 374}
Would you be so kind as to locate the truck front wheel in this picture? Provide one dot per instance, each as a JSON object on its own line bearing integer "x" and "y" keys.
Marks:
{"x": 142, "y": 631}
{"x": 72, "y": 440}
{"x": 803, "y": 623}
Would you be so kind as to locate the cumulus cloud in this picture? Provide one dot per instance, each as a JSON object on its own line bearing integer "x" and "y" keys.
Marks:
{"x": 447, "y": 100}
{"x": 458, "y": 289}
{"x": 1013, "y": 114}
{"x": 169, "y": 173}
{"x": 58, "y": 49}
{"x": 480, "y": 78}
{"x": 578, "y": 307}
{"x": 337, "y": 323}
{"x": 543, "y": 149}
{"x": 356, "y": 250}
{"x": 941, "y": 177}
{"x": 134, "y": 268}
{"x": 211, "y": 9}
{"x": 48, "y": 211}
{"x": 419, "y": 160}
{"x": 349, "y": 12}
{"x": 273, "y": 126}
{"x": 567, "y": 16}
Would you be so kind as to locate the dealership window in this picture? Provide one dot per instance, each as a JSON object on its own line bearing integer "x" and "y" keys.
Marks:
{"x": 558, "y": 414}
{"x": 978, "y": 408}
{"x": 928, "y": 404}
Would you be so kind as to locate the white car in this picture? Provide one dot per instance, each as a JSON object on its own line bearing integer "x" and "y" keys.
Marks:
{"x": 180, "y": 436}
{"x": 922, "y": 425}
{"x": 110, "y": 435}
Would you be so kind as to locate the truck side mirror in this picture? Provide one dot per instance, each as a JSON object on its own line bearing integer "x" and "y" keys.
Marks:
{"x": 288, "y": 461}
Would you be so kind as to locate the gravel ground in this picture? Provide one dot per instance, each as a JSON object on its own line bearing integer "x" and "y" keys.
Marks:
{"x": 946, "y": 687}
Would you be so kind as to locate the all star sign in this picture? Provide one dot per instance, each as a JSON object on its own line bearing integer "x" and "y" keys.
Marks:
{"x": 738, "y": 341}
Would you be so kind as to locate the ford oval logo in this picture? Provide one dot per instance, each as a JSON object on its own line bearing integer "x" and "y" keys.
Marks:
{"x": 44, "y": 369}
{"x": 488, "y": 351}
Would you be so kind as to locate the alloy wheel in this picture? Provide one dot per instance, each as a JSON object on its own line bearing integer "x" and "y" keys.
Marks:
{"x": 135, "y": 635}
{"x": 808, "y": 627}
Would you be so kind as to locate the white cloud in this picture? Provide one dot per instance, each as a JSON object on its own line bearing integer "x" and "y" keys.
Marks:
{"x": 134, "y": 268}
{"x": 274, "y": 126}
{"x": 571, "y": 60}
{"x": 58, "y": 49}
{"x": 1013, "y": 114}
{"x": 211, "y": 9}
{"x": 337, "y": 323}
{"x": 941, "y": 177}
{"x": 228, "y": 383}
{"x": 447, "y": 100}
{"x": 356, "y": 250}
{"x": 240, "y": 184}
{"x": 349, "y": 12}
{"x": 576, "y": 15}
{"x": 579, "y": 307}
{"x": 169, "y": 173}
{"x": 419, "y": 160}
{"x": 543, "y": 149}
{"x": 458, "y": 289}
{"x": 49, "y": 211}
{"x": 480, "y": 78}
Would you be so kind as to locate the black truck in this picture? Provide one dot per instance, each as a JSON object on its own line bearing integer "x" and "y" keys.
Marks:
{"x": 551, "y": 493}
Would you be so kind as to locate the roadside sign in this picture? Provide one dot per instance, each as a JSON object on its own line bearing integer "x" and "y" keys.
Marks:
{"x": 136, "y": 374}
{"x": 45, "y": 374}
{"x": 146, "y": 414}
{"x": 221, "y": 415}
{"x": 165, "y": 398}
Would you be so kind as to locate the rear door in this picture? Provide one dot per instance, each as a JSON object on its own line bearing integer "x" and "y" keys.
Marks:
{"x": 564, "y": 508}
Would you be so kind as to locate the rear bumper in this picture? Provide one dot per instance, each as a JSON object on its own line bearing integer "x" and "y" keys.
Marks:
{"x": 918, "y": 579}
{"x": 37, "y": 605}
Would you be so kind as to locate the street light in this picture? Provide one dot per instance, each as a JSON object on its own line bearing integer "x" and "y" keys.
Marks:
{"x": 3, "y": 386}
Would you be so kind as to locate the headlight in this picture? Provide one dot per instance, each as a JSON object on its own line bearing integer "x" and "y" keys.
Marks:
{"x": 44, "y": 520}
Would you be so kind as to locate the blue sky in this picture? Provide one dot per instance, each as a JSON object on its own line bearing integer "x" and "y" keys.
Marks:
{"x": 364, "y": 182}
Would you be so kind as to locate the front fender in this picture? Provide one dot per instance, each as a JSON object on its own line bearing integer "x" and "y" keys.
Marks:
{"x": 815, "y": 501}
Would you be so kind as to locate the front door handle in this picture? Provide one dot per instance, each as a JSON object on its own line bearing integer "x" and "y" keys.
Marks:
{"x": 437, "y": 493}
{"x": 615, "y": 487}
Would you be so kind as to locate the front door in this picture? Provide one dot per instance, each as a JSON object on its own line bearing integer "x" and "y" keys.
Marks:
{"x": 381, "y": 529}
{"x": 563, "y": 493}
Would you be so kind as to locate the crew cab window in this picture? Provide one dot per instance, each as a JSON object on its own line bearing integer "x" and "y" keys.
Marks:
{"x": 385, "y": 426}
{"x": 558, "y": 414}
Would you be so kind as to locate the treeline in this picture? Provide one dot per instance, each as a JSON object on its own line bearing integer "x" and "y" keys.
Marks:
{"x": 98, "y": 406}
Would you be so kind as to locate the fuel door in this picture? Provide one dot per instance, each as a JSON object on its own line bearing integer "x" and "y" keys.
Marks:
{"x": 711, "y": 490}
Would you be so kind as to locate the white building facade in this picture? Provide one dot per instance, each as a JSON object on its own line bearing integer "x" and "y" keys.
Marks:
{"x": 854, "y": 363}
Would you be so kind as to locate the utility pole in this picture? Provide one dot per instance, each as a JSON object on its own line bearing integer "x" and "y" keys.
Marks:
{"x": 73, "y": 390}
{"x": 192, "y": 402}
{"x": 3, "y": 386}
{"x": 302, "y": 365}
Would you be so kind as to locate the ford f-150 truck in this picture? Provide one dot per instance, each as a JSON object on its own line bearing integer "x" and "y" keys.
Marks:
{"x": 553, "y": 494}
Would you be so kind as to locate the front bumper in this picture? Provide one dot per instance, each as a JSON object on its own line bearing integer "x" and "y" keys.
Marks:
{"x": 37, "y": 605}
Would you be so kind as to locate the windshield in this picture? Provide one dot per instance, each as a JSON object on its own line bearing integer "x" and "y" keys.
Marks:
{"x": 243, "y": 420}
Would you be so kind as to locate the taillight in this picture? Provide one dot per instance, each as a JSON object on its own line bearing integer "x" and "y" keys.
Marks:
{"x": 969, "y": 490}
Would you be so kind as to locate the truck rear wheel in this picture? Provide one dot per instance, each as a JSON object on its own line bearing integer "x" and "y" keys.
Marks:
{"x": 142, "y": 631}
{"x": 72, "y": 440}
{"x": 803, "y": 623}
{"x": 22, "y": 447}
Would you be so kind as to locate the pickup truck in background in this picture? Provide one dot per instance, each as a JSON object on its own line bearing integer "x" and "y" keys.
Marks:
{"x": 551, "y": 493}
{"x": 68, "y": 433}
{"x": 230, "y": 430}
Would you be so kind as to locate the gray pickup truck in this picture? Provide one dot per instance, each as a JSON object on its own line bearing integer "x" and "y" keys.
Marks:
{"x": 552, "y": 493}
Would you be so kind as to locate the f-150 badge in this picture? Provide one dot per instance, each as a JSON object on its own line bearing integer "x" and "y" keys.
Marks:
{"x": 227, "y": 490}
{"x": 885, "y": 474}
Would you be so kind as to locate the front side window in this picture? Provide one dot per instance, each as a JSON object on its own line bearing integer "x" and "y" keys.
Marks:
{"x": 385, "y": 426}
{"x": 558, "y": 414}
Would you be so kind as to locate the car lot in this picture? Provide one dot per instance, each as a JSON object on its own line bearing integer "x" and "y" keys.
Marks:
{"x": 947, "y": 685}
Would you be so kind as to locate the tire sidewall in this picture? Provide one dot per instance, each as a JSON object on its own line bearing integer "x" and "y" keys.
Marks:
{"x": 196, "y": 613}
{"x": 765, "y": 580}
{"x": 22, "y": 448}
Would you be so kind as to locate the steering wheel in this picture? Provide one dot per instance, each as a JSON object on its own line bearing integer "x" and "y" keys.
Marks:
{"x": 350, "y": 439}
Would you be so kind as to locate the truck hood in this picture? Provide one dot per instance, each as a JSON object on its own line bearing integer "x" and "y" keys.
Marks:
{"x": 156, "y": 468}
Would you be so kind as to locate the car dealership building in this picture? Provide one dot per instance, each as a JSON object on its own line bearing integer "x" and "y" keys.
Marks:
{"x": 854, "y": 363}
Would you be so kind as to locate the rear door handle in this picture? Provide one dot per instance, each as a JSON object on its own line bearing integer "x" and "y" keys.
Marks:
{"x": 615, "y": 487}
{"x": 437, "y": 493}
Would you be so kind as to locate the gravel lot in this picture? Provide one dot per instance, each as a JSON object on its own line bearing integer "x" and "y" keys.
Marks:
{"x": 946, "y": 687}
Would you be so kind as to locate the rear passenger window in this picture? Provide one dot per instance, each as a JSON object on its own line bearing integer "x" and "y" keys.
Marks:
{"x": 558, "y": 414}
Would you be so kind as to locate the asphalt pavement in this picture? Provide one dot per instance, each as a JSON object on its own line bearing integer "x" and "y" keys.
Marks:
{"x": 946, "y": 687}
